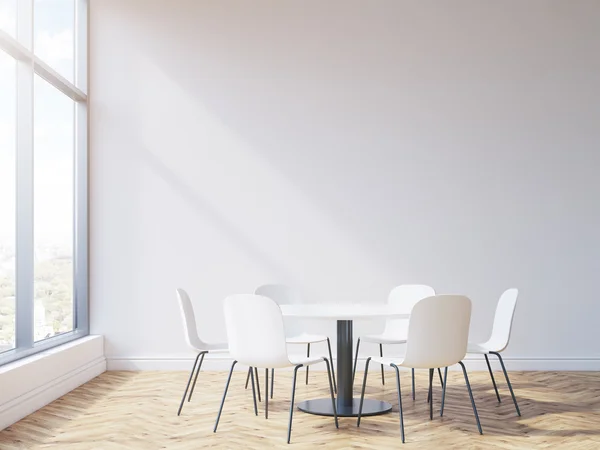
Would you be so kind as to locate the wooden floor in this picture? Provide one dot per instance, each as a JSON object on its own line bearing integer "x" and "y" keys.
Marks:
{"x": 137, "y": 410}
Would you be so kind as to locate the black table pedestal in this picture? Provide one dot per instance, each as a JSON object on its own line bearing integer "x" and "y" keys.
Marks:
{"x": 347, "y": 405}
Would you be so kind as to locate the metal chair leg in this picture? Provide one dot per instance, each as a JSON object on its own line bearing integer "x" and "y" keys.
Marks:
{"x": 272, "y": 381}
{"x": 196, "y": 377}
{"x": 399, "y": 401}
{"x": 413, "y": 383}
{"x": 492, "y": 376}
{"x": 362, "y": 394}
{"x": 508, "y": 382}
{"x": 248, "y": 377}
{"x": 257, "y": 383}
{"x": 355, "y": 360}
{"x": 292, "y": 403}
{"x": 381, "y": 354}
{"x": 251, "y": 372}
{"x": 444, "y": 391}
{"x": 430, "y": 394}
{"x": 307, "y": 355}
{"x": 188, "y": 383}
{"x": 440, "y": 374}
{"x": 224, "y": 395}
{"x": 266, "y": 393}
{"x": 335, "y": 416}
{"x": 471, "y": 395}
{"x": 332, "y": 369}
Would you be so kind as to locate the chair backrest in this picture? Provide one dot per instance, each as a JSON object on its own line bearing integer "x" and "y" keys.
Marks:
{"x": 189, "y": 321}
{"x": 255, "y": 331}
{"x": 503, "y": 320}
{"x": 438, "y": 331}
{"x": 285, "y": 295}
{"x": 403, "y": 298}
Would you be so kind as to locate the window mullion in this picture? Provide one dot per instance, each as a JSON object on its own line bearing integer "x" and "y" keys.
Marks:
{"x": 80, "y": 266}
{"x": 25, "y": 250}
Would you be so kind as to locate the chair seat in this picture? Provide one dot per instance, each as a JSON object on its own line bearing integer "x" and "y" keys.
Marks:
{"x": 307, "y": 361}
{"x": 478, "y": 348}
{"x": 385, "y": 338}
{"x": 306, "y": 339}
{"x": 387, "y": 361}
{"x": 399, "y": 361}
{"x": 219, "y": 350}
{"x": 213, "y": 348}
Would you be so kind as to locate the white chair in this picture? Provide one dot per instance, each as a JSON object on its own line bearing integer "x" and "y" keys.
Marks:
{"x": 257, "y": 339}
{"x": 403, "y": 298}
{"x": 197, "y": 344}
{"x": 438, "y": 333}
{"x": 498, "y": 341}
{"x": 285, "y": 295}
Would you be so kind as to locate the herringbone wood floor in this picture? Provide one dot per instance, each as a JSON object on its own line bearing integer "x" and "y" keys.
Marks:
{"x": 137, "y": 410}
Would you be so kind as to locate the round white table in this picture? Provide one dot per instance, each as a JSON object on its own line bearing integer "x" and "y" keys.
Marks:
{"x": 347, "y": 405}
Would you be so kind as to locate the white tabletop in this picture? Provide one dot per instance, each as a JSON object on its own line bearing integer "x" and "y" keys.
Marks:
{"x": 342, "y": 311}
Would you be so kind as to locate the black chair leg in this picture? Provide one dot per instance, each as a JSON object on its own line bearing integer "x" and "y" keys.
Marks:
{"x": 487, "y": 361}
{"x": 257, "y": 383}
{"x": 440, "y": 374}
{"x": 332, "y": 369}
{"x": 355, "y": 360}
{"x": 248, "y": 377}
{"x": 266, "y": 393}
{"x": 307, "y": 355}
{"x": 188, "y": 383}
{"x": 335, "y": 416}
{"x": 272, "y": 381}
{"x": 292, "y": 404}
{"x": 251, "y": 372}
{"x": 399, "y": 401}
{"x": 413, "y": 383}
{"x": 430, "y": 394}
{"x": 381, "y": 354}
{"x": 508, "y": 382}
{"x": 471, "y": 395}
{"x": 444, "y": 391}
{"x": 196, "y": 377}
{"x": 362, "y": 394}
{"x": 224, "y": 396}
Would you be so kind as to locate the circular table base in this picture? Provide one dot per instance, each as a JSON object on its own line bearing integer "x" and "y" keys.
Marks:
{"x": 323, "y": 407}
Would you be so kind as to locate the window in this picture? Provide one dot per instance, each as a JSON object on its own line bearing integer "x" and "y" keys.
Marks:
{"x": 43, "y": 175}
{"x": 53, "y": 181}
{"x": 53, "y": 32}
{"x": 8, "y": 17}
{"x": 8, "y": 109}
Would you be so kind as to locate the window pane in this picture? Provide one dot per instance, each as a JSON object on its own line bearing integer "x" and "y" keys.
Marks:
{"x": 8, "y": 17}
{"x": 53, "y": 141}
{"x": 8, "y": 113}
{"x": 53, "y": 34}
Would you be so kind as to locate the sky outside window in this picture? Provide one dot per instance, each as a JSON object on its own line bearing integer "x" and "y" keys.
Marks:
{"x": 53, "y": 34}
{"x": 8, "y": 17}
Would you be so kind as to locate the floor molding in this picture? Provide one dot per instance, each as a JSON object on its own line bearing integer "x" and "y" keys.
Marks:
{"x": 221, "y": 363}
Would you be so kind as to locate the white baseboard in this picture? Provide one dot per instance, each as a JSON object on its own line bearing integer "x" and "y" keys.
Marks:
{"x": 38, "y": 380}
{"x": 223, "y": 363}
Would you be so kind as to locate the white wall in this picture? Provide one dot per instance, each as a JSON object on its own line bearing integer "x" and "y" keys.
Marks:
{"x": 345, "y": 147}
